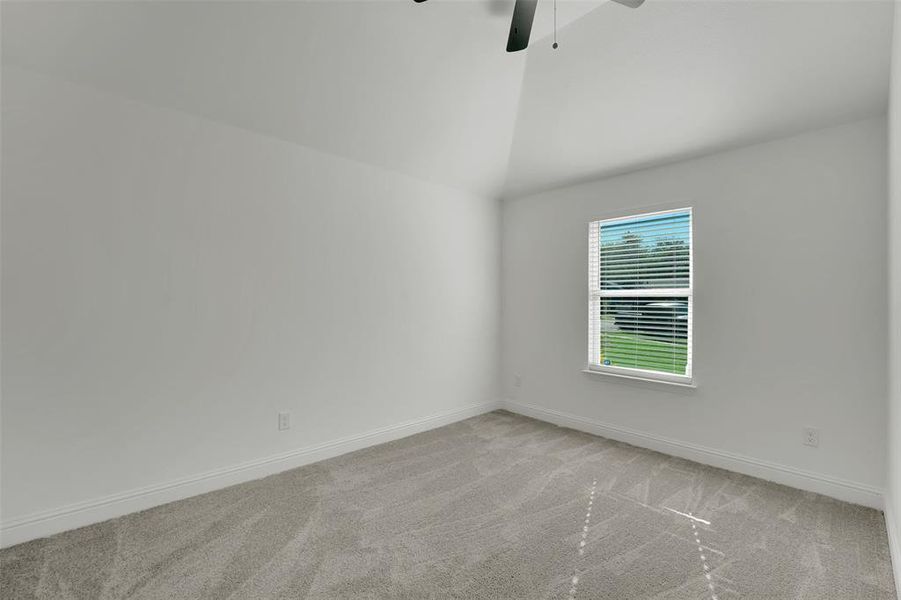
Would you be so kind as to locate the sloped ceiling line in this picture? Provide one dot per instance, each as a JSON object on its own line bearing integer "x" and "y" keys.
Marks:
{"x": 427, "y": 89}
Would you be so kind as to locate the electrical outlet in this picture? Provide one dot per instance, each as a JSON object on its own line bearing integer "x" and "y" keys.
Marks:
{"x": 811, "y": 436}
{"x": 284, "y": 421}
{"x": 517, "y": 380}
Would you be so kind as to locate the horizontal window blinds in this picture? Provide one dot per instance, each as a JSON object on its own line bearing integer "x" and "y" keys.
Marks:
{"x": 640, "y": 295}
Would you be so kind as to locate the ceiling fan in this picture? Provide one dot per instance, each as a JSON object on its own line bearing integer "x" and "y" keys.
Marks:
{"x": 524, "y": 14}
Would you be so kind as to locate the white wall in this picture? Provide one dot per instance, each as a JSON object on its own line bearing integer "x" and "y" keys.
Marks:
{"x": 789, "y": 313}
{"x": 893, "y": 500}
{"x": 170, "y": 283}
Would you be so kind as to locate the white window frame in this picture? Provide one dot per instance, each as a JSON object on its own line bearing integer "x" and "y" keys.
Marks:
{"x": 596, "y": 293}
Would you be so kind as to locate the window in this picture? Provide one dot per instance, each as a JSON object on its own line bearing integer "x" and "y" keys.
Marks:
{"x": 640, "y": 287}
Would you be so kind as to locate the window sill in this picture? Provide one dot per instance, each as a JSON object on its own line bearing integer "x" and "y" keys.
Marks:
{"x": 681, "y": 384}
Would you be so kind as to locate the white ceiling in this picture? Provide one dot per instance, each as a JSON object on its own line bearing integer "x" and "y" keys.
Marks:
{"x": 427, "y": 89}
{"x": 673, "y": 79}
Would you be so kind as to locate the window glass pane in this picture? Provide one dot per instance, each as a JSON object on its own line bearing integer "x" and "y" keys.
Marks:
{"x": 645, "y": 252}
{"x": 649, "y": 333}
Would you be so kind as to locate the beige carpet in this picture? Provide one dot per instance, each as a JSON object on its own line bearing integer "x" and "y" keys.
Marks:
{"x": 493, "y": 507}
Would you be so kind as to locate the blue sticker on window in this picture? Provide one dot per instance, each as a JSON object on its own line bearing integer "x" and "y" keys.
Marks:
{"x": 607, "y": 362}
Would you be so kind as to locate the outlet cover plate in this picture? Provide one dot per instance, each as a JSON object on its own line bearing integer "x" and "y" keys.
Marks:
{"x": 284, "y": 421}
{"x": 811, "y": 437}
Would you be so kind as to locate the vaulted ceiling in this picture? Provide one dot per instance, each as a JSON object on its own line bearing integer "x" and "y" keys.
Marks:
{"x": 628, "y": 89}
{"x": 428, "y": 90}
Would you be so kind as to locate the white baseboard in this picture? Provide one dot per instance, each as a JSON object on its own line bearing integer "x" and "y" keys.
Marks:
{"x": 42, "y": 524}
{"x": 849, "y": 491}
{"x": 894, "y": 542}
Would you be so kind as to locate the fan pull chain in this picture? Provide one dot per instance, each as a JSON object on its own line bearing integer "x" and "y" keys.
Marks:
{"x": 555, "y": 24}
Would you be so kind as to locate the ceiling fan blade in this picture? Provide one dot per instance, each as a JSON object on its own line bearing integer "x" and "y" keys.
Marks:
{"x": 629, "y": 3}
{"x": 521, "y": 26}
